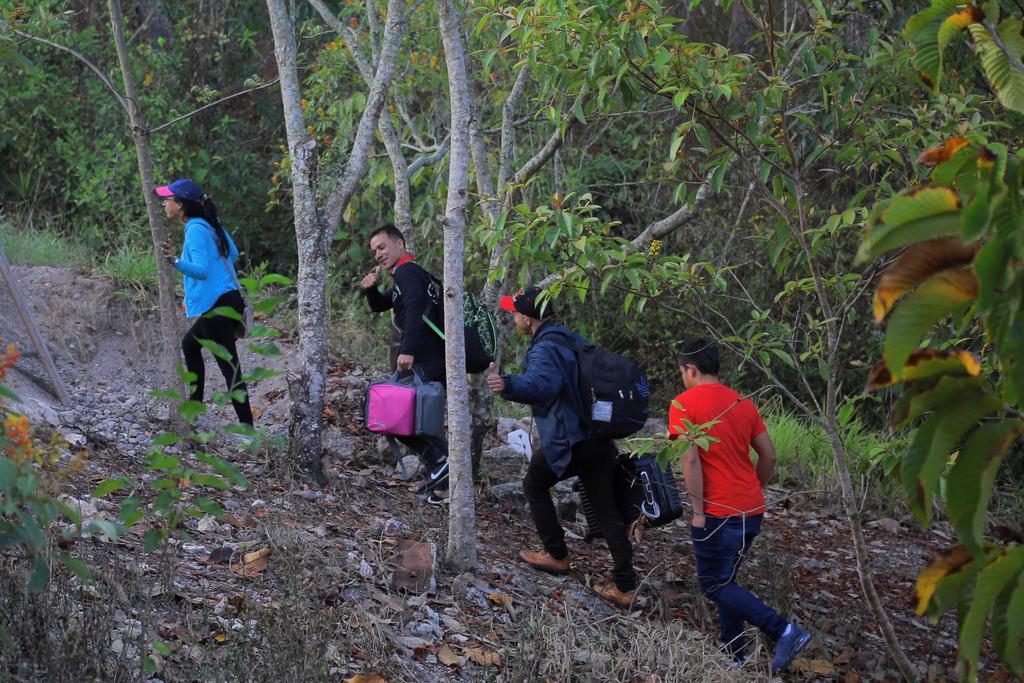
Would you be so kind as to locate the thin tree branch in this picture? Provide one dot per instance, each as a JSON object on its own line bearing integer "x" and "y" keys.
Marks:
{"x": 80, "y": 57}
{"x": 431, "y": 159}
{"x": 214, "y": 104}
{"x": 344, "y": 188}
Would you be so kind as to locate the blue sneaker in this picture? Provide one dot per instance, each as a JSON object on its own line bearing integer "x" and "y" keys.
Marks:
{"x": 793, "y": 640}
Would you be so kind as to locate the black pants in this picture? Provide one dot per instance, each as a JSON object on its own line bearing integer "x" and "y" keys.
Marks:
{"x": 430, "y": 449}
{"x": 594, "y": 462}
{"x": 221, "y": 330}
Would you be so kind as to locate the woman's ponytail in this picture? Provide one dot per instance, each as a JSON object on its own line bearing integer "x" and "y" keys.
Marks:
{"x": 210, "y": 214}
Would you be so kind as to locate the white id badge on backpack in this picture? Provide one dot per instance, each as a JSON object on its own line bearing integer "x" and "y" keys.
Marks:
{"x": 519, "y": 440}
{"x": 601, "y": 411}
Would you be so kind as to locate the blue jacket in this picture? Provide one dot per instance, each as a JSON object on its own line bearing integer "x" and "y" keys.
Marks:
{"x": 550, "y": 385}
{"x": 206, "y": 275}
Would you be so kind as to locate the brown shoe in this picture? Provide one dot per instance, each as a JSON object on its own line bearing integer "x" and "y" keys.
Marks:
{"x": 612, "y": 594}
{"x": 545, "y": 562}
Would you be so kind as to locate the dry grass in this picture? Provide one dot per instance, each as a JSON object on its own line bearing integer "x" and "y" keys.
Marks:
{"x": 572, "y": 647}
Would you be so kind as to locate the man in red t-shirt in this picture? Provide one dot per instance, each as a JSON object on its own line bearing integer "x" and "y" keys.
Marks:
{"x": 728, "y": 505}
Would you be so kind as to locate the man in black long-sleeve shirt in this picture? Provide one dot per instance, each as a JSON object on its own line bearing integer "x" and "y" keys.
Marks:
{"x": 412, "y": 300}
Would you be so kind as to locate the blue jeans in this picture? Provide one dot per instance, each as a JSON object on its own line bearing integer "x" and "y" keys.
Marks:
{"x": 719, "y": 548}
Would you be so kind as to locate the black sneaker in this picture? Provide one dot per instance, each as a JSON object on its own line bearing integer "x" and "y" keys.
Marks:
{"x": 435, "y": 499}
{"x": 436, "y": 477}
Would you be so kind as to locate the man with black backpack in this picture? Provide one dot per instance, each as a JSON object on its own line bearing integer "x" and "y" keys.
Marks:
{"x": 413, "y": 301}
{"x": 550, "y": 385}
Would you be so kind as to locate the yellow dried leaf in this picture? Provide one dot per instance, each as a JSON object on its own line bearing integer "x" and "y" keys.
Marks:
{"x": 914, "y": 265}
{"x": 922, "y": 364}
{"x": 483, "y": 657}
{"x": 814, "y": 667}
{"x": 447, "y": 657}
{"x": 945, "y": 563}
{"x": 367, "y": 678}
{"x": 253, "y": 563}
{"x": 942, "y": 152}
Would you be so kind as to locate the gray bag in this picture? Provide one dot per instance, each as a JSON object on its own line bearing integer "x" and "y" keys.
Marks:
{"x": 430, "y": 409}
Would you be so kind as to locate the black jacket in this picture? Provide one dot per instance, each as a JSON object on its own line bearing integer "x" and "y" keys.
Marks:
{"x": 414, "y": 295}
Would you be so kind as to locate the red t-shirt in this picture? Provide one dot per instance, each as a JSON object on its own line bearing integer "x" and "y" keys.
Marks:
{"x": 731, "y": 485}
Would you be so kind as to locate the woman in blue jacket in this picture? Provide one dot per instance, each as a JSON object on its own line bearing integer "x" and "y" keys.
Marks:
{"x": 207, "y": 265}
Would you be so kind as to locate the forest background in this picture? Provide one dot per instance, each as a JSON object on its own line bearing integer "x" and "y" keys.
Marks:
{"x": 692, "y": 168}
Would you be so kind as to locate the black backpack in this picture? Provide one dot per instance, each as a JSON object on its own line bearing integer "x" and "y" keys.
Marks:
{"x": 614, "y": 390}
{"x": 657, "y": 495}
{"x": 479, "y": 330}
{"x": 652, "y": 493}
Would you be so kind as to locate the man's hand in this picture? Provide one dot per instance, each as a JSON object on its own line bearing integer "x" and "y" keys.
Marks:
{"x": 494, "y": 380}
{"x": 168, "y": 253}
{"x": 371, "y": 280}
{"x": 404, "y": 362}
{"x": 699, "y": 520}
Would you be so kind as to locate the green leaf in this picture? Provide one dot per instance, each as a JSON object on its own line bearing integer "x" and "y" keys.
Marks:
{"x": 269, "y": 304}
{"x": 224, "y": 468}
{"x": 81, "y": 569}
{"x": 938, "y": 297}
{"x": 275, "y": 279}
{"x": 991, "y": 582}
{"x": 151, "y": 541}
{"x": 109, "y": 486}
{"x": 920, "y": 397}
{"x": 718, "y": 176}
{"x": 225, "y": 311}
{"x": 1008, "y": 625}
{"x": 161, "y": 647}
{"x": 969, "y": 484}
{"x": 108, "y": 529}
{"x": 921, "y": 214}
{"x": 216, "y": 349}
{"x": 1005, "y": 77}
{"x": 40, "y": 575}
{"x": 932, "y": 444}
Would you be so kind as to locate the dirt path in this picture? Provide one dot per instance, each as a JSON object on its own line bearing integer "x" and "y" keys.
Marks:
{"x": 319, "y": 604}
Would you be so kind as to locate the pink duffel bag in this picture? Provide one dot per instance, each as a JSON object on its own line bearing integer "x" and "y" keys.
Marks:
{"x": 390, "y": 408}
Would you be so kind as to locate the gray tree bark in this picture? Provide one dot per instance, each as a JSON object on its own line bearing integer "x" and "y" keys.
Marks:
{"x": 461, "y": 549}
{"x": 140, "y": 136}
{"x": 315, "y": 223}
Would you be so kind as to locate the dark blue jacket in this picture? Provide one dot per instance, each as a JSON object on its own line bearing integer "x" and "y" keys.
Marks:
{"x": 550, "y": 385}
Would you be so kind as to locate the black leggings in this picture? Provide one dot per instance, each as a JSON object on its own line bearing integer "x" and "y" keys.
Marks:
{"x": 221, "y": 330}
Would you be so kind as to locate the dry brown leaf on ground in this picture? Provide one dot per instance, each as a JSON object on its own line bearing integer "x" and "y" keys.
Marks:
{"x": 448, "y": 658}
{"x": 483, "y": 657}
{"x": 253, "y": 563}
{"x": 366, "y": 678}
{"x": 505, "y": 600}
{"x": 814, "y": 667}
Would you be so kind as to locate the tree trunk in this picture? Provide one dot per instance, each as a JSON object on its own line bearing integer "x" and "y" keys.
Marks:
{"x": 305, "y": 443}
{"x": 165, "y": 375}
{"x": 461, "y": 551}
{"x": 315, "y": 225}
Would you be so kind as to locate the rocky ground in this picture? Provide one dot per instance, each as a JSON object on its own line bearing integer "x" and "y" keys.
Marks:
{"x": 297, "y": 582}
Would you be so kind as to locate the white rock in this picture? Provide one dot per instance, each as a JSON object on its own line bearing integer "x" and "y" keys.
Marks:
{"x": 365, "y": 570}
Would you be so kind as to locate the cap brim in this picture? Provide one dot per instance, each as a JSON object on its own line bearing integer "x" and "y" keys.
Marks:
{"x": 508, "y": 304}
{"x": 164, "y": 191}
